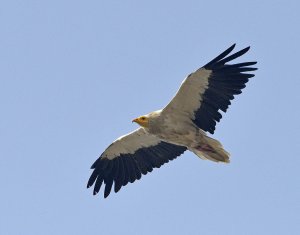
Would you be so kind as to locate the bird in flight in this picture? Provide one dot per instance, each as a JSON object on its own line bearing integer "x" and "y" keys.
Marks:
{"x": 181, "y": 125}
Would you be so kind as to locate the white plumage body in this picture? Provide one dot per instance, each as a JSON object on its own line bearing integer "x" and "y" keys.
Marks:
{"x": 180, "y": 126}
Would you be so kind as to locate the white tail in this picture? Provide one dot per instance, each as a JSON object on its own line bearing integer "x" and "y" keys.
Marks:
{"x": 211, "y": 149}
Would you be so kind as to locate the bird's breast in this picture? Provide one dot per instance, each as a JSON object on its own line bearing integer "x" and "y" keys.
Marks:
{"x": 176, "y": 134}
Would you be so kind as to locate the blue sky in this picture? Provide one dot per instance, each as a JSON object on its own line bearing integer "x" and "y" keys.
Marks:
{"x": 73, "y": 75}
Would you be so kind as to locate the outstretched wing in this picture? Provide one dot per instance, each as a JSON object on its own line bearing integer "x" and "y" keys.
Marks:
{"x": 130, "y": 156}
{"x": 210, "y": 89}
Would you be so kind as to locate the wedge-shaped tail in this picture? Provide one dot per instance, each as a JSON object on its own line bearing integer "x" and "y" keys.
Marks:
{"x": 211, "y": 149}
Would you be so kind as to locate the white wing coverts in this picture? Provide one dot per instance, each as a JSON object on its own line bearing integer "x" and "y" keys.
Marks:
{"x": 130, "y": 156}
{"x": 210, "y": 89}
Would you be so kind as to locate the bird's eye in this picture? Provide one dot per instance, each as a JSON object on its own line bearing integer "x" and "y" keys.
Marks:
{"x": 143, "y": 118}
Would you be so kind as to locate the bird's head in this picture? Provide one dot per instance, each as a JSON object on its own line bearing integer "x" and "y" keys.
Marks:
{"x": 142, "y": 121}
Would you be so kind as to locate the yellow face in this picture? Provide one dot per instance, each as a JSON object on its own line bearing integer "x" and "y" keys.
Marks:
{"x": 142, "y": 121}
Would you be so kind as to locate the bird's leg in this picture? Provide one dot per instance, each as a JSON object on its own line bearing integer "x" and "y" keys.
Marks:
{"x": 205, "y": 148}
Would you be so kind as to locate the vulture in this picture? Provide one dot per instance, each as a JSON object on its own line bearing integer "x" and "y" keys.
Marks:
{"x": 181, "y": 125}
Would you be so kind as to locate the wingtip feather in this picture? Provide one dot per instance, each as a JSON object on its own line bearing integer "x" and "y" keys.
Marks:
{"x": 221, "y": 56}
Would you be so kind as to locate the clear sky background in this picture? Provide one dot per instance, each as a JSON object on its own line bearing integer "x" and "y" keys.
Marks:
{"x": 73, "y": 75}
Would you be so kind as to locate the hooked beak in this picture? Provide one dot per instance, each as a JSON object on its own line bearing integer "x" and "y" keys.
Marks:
{"x": 135, "y": 120}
